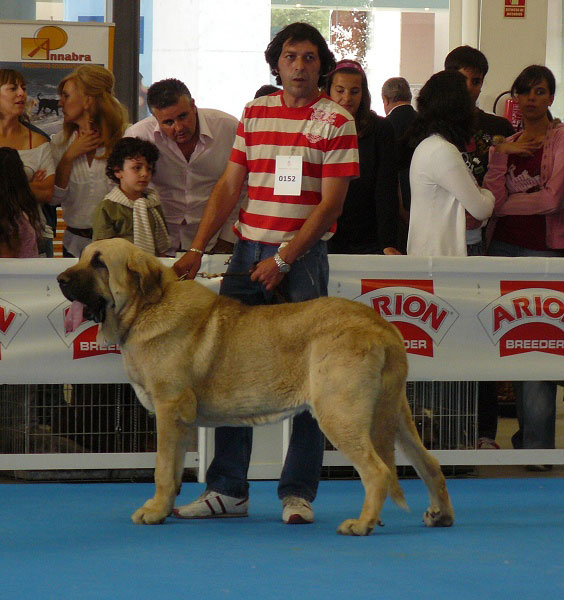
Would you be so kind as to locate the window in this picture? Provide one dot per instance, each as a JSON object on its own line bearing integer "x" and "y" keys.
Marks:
{"x": 71, "y": 10}
{"x": 218, "y": 50}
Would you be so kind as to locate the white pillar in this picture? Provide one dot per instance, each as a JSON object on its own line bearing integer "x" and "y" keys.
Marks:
{"x": 455, "y": 24}
{"x": 470, "y": 22}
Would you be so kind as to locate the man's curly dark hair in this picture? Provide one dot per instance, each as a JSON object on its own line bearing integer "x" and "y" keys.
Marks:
{"x": 300, "y": 32}
{"x": 129, "y": 148}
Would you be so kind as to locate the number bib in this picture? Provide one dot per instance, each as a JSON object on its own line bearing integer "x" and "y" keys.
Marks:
{"x": 288, "y": 176}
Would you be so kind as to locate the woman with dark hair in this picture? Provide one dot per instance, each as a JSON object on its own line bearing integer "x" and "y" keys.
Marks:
{"x": 369, "y": 221}
{"x": 526, "y": 176}
{"x": 16, "y": 132}
{"x": 33, "y": 147}
{"x": 442, "y": 187}
{"x": 19, "y": 223}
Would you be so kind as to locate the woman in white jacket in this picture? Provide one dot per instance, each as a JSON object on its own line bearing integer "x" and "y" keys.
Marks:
{"x": 442, "y": 188}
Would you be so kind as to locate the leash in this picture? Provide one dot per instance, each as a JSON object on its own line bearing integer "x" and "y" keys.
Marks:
{"x": 205, "y": 275}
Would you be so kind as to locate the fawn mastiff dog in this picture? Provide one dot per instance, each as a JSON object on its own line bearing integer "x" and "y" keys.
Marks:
{"x": 195, "y": 357}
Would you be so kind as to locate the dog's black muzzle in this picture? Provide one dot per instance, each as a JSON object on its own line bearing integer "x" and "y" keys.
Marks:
{"x": 74, "y": 289}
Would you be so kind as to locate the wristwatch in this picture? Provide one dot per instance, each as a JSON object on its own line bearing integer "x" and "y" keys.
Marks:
{"x": 282, "y": 265}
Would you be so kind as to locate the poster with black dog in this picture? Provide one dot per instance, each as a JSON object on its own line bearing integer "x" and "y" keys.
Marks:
{"x": 44, "y": 52}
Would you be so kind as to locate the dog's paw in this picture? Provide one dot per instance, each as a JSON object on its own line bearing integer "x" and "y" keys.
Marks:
{"x": 146, "y": 515}
{"x": 354, "y": 527}
{"x": 433, "y": 517}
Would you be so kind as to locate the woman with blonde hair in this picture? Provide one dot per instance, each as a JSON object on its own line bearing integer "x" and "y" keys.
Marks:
{"x": 94, "y": 120}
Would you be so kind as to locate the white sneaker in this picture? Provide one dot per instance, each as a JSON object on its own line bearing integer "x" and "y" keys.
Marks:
{"x": 296, "y": 511}
{"x": 213, "y": 505}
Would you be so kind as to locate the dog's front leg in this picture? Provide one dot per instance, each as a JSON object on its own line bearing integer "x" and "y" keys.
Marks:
{"x": 173, "y": 419}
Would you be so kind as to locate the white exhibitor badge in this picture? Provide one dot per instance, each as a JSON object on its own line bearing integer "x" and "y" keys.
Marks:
{"x": 288, "y": 176}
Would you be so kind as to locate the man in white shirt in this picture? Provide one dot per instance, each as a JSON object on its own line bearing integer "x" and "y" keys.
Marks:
{"x": 194, "y": 148}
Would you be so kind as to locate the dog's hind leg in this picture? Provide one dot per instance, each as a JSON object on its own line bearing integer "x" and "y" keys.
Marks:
{"x": 384, "y": 427}
{"x": 350, "y": 433}
{"x": 173, "y": 419}
{"x": 383, "y": 436}
{"x": 440, "y": 512}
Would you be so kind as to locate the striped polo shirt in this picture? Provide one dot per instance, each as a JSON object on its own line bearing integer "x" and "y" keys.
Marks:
{"x": 322, "y": 132}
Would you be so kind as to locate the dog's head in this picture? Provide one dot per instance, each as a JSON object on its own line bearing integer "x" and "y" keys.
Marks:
{"x": 114, "y": 280}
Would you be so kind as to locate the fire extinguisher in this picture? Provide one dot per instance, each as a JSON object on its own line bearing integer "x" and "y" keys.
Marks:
{"x": 512, "y": 111}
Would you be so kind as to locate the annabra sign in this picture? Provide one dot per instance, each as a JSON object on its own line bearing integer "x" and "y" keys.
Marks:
{"x": 70, "y": 57}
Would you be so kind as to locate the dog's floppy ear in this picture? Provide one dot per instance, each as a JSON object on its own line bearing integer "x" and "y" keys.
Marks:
{"x": 118, "y": 280}
{"x": 147, "y": 271}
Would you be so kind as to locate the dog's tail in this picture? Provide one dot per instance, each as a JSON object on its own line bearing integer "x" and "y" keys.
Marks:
{"x": 384, "y": 431}
{"x": 409, "y": 442}
{"x": 395, "y": 491}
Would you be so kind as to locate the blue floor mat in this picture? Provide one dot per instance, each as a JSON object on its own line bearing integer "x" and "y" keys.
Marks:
{"x": 77, "y": 541}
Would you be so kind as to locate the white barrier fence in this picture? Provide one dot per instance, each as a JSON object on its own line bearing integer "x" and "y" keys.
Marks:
{"x": 463, "y": 319}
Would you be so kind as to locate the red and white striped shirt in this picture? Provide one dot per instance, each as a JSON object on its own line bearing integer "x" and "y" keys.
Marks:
{"x": 322, "y": 132}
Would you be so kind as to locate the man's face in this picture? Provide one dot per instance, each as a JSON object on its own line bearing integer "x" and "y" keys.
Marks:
{"x": 178, "y": 122}
{"x": 299, "y": 67}
{"x": 474, "y": 82}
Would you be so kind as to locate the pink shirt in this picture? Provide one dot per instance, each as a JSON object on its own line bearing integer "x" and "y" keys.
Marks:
{"x": 28, "y": 239}
{"x": 548, "y": 200}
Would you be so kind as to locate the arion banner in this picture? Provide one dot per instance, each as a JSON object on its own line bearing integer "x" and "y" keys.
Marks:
{"x": 462, "y": 319}
{"x": 47, "y": 51}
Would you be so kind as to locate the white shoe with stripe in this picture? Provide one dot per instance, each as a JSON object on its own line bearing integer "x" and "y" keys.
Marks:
{"x": 213, "y": 505}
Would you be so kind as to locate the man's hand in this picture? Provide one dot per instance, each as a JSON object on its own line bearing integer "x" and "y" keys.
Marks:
{"x": 188, "y": 265}
{"x": 267, "y": 273}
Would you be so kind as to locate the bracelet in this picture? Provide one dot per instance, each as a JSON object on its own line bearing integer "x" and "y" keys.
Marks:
{"x": 197, "y": 250}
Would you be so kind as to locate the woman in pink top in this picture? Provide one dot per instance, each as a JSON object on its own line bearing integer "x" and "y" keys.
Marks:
{"x": 526, "y": 176}
{"x": 19, "y": 221}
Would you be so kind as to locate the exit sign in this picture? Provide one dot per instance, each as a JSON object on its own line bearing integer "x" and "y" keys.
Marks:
{"x": 514, "y": 9}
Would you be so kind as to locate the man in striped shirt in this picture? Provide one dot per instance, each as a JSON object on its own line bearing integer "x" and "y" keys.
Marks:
{"x": 297, "y": 150}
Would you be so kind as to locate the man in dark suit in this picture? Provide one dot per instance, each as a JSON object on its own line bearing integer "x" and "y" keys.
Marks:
{"x": 396, "y": 96}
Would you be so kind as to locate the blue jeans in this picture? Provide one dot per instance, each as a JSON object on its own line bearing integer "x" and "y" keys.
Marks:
{"x": 535, "y": 401}
{"x": 227, "y": 473}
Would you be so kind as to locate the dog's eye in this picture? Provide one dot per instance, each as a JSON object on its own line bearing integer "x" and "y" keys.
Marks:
{"x": 97, "y": 263}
